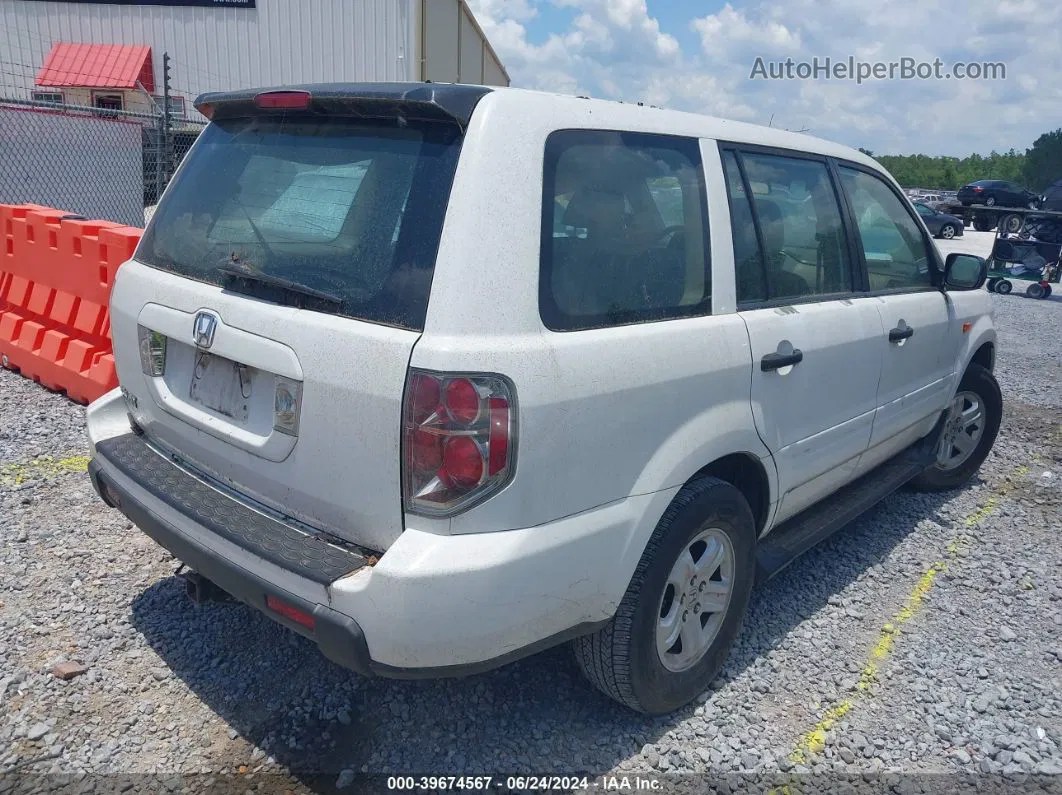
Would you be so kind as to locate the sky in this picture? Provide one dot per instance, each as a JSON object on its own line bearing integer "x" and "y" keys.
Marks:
{"x": 698, "y": 56}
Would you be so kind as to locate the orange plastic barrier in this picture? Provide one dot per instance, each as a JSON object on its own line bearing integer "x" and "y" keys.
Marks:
{"x": 56, "y": 273}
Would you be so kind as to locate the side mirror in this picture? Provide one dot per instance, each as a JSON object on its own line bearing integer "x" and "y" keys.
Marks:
{"x": 964, "y": 272}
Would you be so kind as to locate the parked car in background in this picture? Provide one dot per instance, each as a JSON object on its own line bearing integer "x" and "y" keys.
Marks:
{"x": 939, "y": 224}
{"x": 1052, "y": 198}
{"x": 997, "y": 191}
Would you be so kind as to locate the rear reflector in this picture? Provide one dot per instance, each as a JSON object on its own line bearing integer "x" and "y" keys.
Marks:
{"x": 290, "y": 612}
{"x": 152, "y": 351}
{"x": 283, "y": 100}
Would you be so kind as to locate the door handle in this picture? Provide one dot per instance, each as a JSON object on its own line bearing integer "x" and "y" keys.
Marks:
{"x": 899, "y": 334}
{"x": 775, "y": 361}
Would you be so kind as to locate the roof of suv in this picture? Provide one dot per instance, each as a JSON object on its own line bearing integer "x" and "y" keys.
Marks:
{"x": 456, "y": 102}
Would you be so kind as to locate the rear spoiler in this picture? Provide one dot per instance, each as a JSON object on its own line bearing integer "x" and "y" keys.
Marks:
{"x": 445, "y": 102}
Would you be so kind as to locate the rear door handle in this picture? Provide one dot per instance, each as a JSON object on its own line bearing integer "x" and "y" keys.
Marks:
{"x": 775, "y": 361}
{"x": 898, "y": 334}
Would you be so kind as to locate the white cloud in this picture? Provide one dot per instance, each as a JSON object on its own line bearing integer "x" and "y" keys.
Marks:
{"x": 619, "y": 49}
{"x": 720, "y": 32}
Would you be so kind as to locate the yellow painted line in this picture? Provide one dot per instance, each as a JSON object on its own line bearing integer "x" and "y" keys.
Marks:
{"x": 44, "y": 467}
{"x": 813, "y": 741}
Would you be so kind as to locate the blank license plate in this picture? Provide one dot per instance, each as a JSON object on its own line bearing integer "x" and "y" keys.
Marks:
{"x": 222, "y": 385}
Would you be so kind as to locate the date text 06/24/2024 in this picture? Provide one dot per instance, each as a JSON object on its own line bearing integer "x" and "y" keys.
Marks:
{"x": 523, "y": 783}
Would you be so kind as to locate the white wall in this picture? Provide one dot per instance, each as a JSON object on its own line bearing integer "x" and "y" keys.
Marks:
{"x": 455, "y": 49}
{"x": 280, "y": 42}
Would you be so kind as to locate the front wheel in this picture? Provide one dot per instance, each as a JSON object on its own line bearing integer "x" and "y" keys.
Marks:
{"x": 947, "y": 231}
{"x": 1003, "y": 287}
{"x": 970, "y": 428}
{"x": 1035, "y": 290}
{"x": 992, "y": 285}
{"x": 683, "y": 608}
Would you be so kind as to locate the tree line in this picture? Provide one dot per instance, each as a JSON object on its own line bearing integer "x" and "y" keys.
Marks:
{"x": 1036, "y": 168}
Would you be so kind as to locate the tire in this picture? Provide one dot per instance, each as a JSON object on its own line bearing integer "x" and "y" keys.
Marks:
{"x": 982, "y": 224}
{"x": 622, "y": 659}
{"x": 1047, "y": 291}
{"x": 981, "y": 383}
{"x": 1035, "y": 290}
{"x": 1011, "y": 224}
{"x": 1003, "y": 287}
{"x": 991, "y": 283}
{"x": 948, "y": 231}
{"x": 990, "y": 201}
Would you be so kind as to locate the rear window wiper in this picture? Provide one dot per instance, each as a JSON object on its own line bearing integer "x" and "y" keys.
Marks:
{"x": 299, "y": 295}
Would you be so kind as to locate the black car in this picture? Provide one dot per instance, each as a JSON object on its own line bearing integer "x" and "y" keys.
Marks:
{"x": 938, "y": 223}
{"x": 1053, "y": 197}
{"x": 997, "y": 192}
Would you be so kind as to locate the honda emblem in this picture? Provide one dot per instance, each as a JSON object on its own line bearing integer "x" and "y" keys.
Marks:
{"x": 203, "y": 330}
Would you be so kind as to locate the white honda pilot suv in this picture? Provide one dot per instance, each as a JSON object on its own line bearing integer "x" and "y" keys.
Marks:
{"x": 441, "y": 375}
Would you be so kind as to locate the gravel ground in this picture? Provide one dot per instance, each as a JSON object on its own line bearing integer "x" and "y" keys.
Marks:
{"x": 924, "y": 641}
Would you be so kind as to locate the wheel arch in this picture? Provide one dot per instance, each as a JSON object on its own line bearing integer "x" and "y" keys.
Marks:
{"x": 747, "y": 473}
{"x": 985, "y": 356}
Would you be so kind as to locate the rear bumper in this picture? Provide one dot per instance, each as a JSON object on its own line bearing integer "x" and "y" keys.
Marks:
{"x": 433, "y": 605}
{"x": 338, "y": 636}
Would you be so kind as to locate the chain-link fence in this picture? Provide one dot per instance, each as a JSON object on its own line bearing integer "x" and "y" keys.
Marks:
{"x": 95, "y": 162}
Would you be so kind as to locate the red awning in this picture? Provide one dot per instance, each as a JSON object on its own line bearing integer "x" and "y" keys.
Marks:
{"x": 97, "y": 66}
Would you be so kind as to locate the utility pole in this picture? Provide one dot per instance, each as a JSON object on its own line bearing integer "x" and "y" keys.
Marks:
{"x": 166, "y": 158}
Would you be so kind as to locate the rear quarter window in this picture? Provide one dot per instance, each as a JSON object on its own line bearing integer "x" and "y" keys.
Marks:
{"x": 624, "y": 230}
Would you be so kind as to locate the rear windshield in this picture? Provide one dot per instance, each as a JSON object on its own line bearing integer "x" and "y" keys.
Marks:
{"x": 343, "y": 206}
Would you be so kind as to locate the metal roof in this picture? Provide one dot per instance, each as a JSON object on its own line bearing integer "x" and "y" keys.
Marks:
{"x": 97, "y": 66}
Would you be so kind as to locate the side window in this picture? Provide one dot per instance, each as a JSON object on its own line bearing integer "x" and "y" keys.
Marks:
{"x": 748, "y": 259}
{"x": 895, "y": 248}
{"x": 923, "y": 209}
{"x": 624, "y": 230}
{"x": 805, "y": 250}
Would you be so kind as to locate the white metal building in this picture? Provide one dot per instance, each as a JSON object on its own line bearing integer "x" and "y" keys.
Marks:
{"x": 52, "y": 50}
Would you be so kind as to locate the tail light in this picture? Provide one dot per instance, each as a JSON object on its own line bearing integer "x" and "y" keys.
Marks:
{"x": 459, "y": 440}
{"x": 978, "y": 189}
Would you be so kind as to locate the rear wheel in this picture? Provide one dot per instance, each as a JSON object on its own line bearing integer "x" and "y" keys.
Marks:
{"x": 1003, "y": 287}
{"x": 982, "y": 224}
{"x": 990, "y": 201}
{"x": 992, "y": 285}
{"x": 970, "y": 428}
{"x": 1011, "y": 224}
{"x": 683, "y": 608}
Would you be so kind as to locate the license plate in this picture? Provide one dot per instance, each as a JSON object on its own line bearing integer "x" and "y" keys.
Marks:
{"x": 222, "y": 385}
